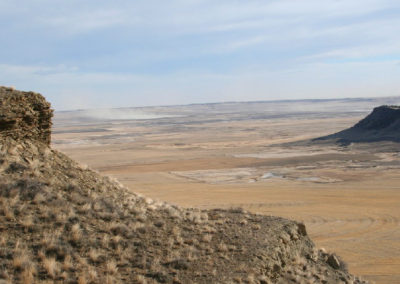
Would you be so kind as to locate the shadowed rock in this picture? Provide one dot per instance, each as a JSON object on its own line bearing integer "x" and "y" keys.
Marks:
{"x": 383, "y": 124}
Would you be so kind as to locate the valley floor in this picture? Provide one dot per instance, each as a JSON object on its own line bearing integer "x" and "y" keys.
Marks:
{"x": 348, "y": 197}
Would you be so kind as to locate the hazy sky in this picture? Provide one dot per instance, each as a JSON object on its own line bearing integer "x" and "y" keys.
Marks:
{"x": 97, "y": 53}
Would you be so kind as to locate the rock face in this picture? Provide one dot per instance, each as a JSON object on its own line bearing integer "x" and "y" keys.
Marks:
{"x": 383, "y": 124}
{"x": 62, "y": 222}
{"x": 24, "y": 115}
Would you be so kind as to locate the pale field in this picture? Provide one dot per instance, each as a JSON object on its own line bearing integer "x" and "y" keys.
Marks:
{"x": 349, "y": 198}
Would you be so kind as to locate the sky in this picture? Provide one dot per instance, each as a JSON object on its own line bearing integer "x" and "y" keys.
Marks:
{"x": 97, "y": 53}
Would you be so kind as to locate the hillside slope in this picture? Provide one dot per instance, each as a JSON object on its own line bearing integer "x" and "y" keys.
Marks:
{"x": 60, "y": 221}
{"x": 383, "y": 124}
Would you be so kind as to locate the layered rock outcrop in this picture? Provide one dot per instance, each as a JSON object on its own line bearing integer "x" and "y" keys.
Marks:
{"x": 25, "y": 115}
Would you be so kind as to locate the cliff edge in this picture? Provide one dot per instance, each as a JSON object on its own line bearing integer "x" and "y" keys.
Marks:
{"x": 62, "y": 222}
{"x": 24, "y": 115}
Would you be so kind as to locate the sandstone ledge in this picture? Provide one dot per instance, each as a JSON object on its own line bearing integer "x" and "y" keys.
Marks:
{"x": 25, "y": 115}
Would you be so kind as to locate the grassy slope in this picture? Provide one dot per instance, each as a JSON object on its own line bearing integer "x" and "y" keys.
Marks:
{"x": 61, "y": 221}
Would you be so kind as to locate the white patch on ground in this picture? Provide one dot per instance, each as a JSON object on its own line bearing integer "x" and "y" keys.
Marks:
{"x": 238, "y": 175}
{"x": 285, "y": 153}
{"x": 318, "y": 179}
{"x": 121, "y": 114}
{"x": 270, "y": 175}
{"x": 306, "y": 168}
{"x": 248, "y": 175}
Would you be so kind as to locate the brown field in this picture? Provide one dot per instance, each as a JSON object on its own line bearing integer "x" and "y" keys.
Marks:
{"x": 348, "y": 197}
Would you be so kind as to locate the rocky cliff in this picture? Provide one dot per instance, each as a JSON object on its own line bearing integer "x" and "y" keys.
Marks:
{"x": 383, "y": 124}
{"x": 62, "y": 222}
{"x": 24, "y": 115}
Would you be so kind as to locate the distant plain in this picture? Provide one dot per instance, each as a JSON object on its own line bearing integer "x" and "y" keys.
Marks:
{"x": 240, "y": 155}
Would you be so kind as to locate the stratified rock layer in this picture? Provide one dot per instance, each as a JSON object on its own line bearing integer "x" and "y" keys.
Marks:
{"x": 383, "y": 124}
{"x": 24, "y": 115}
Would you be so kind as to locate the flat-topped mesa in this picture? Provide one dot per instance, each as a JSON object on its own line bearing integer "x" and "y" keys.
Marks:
{"x": 381, "y": 118}
{"x": 25, "y": 115}
{"x": 382, "y": 124}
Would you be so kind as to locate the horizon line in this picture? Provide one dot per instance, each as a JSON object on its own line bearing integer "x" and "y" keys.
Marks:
{"x": 233, "y": 102}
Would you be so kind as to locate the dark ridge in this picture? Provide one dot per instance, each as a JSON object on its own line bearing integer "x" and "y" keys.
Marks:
{"x": 380, "y": 118}
{"x": 382, "y": 124}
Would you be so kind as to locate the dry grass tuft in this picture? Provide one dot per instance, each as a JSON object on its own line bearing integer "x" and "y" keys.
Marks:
{"x": 92, "y": 274}
{"x": 76, "y": 233}
{"x": 111, "y": 267}
{"x": 21, "y": 260}
{"x": 51, "y": 267}
{"x": 110, "y": 280}
{"x": 8, "y": 213}
{"x": 94, "y": 255}
{"x": 28, "y": 274}
{"x": 82, "y": 279}
{"x": 27, "y": 222}
{"x": 3, "y": 241}
{"x": 206, "y": 238}
{"x": 222, "y": 247}
{"x": 67, "y": 264}
{"x": 140, "y": 279}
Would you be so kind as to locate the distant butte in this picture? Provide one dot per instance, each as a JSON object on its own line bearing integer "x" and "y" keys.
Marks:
{"x": 382, "y": 124}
